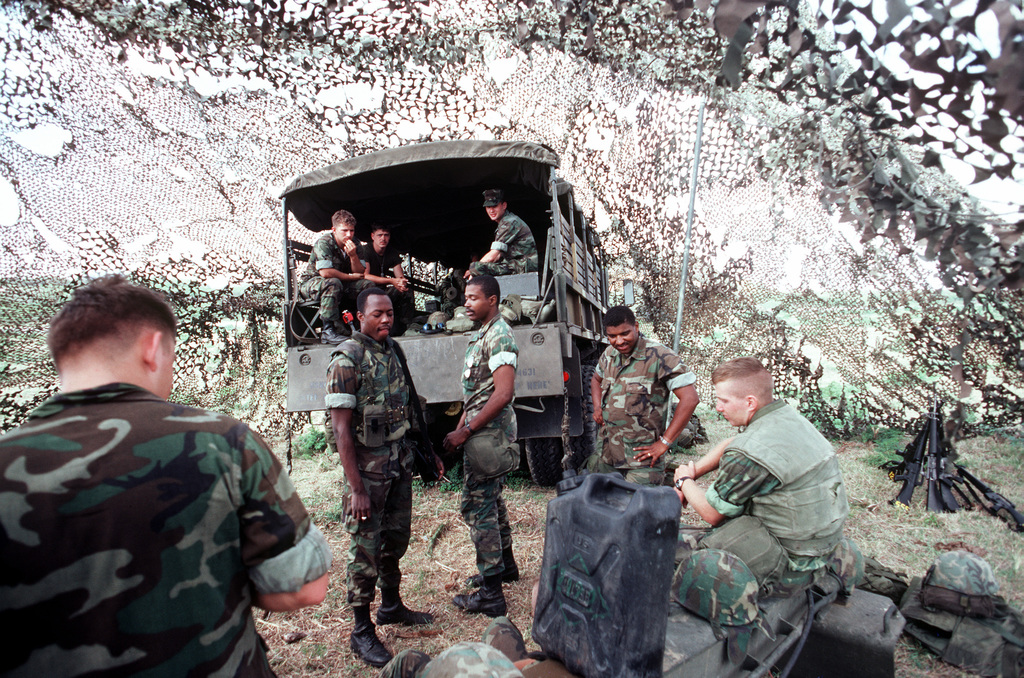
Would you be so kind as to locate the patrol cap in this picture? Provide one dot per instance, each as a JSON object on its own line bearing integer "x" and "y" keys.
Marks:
{"x": 493, "y": 197}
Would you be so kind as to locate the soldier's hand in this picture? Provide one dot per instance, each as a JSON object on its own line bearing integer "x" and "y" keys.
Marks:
{"x": 401, "y": 284}
{"x": 650, "y": 453}
{"x": 598, "y": 417}
{"x": 440, "y": 466}
{"x": 360, "y": 506}
{"x": 456, "y": 438}
{"x": 349, "y": 247}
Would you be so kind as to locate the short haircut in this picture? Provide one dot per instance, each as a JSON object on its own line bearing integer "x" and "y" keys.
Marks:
{"x": 749, "y": 373}
{"x": 108, "y": 308}
{"x": 343, "y": 217}
{"x": 366, "y": 294}
{"x": 488, "y": 284}
{"x": 378, "y": 226}
{"x": 618, "y": 315}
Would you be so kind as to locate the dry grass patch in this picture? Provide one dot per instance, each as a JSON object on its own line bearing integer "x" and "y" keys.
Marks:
{"x": 441, "y": 556}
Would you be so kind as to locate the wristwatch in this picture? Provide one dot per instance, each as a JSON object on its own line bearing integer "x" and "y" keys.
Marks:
{"x": 664, "y": 442}
{"x": 679, "y": 483}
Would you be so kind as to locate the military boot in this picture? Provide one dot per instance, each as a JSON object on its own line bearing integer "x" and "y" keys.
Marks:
{"x": 330, "y": 335}
{"x": 508, "y": 575}
{"x": 489, "y": 599}
{"x": 364, "y": 642}
{"x": 393, "y": 611}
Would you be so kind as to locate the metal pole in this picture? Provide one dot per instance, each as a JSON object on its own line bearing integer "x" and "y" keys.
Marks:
{"x": 689, "y": 228}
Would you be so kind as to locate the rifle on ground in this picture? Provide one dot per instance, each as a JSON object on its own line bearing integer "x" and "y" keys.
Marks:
{"x": 940, "y": 493}
{"x": 909, "y": 469}
{"x": 998, "y": 505}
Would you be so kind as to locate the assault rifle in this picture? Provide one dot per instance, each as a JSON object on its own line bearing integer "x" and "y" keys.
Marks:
{"x": 909, "y": 470}
{"x": 940, "y": 493}
{"x": 998, "y": 505}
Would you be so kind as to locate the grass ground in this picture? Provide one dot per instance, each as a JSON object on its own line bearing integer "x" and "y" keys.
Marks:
{"x": 441, "y": 557}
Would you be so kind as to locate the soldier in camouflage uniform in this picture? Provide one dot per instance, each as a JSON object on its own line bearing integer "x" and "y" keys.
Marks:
{"x": 368, "y": 401}
{"x": 779, "y": 501}
{"x": 488, "y": 385}
{"x": 138, "y": 533}
{"x": 335, "y": 272}
{"x": 514, "y": 249}
{"x": 630, "y": 388}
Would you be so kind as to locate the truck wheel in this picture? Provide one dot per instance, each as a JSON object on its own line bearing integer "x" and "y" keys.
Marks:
{"x": 544, "y": 457}
{"x": 584, "y": 444}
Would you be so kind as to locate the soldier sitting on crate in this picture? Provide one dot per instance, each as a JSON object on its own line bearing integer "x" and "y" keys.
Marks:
{"x": 514, "y": 250}
{"x": 630, "y": 387}
{"x": 334, "y": 273}
{"x": 383, "y": 267}
{"x": 779, "y": 502}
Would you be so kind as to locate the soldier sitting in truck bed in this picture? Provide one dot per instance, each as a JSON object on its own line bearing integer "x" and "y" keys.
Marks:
{"x": 334, "y": 273}
{"x": 383, "y": 267}
{"x": 779, "y": 502}
{"x": 514, "y": 250}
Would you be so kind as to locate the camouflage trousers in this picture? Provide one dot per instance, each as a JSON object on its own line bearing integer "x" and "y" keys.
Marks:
{"x": 641, "y": 474}
{"x": 502, "y": 645}
{"x": 483, "y": 510}
{"x": 503, "y": 267}
{"x": 331, "y": 292}
{"x": 379, "y": 542}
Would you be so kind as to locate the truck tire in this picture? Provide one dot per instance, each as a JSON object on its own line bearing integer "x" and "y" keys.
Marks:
{"x": 544, "y": 457}
{"x": 585, "y": 444}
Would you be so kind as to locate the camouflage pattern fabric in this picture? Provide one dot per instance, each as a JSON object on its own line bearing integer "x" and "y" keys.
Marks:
{"x": 847, "y": 563}
{"x": 501, "y": 635}
{"x": 470, "y": 660}
{"x": 514, "y": 239}
{"x": 364, "y": 373}
{"x": 330, "y": 291}
{"x": 634, "y": 391}
{"x": 483, "y": 507}
{"x": 129, "y": 526}
{"x": 962, "y": 583}
{"x": 405, "y": 664}
{"x": 717, "y": 586}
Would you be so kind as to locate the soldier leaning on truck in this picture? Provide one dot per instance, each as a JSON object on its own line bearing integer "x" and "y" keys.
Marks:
{"x": 486, "y": 429}
{"x": 514, "y": 249}
{"x": 779, "y": 502}
{"x": 629, "y": 390}
{"x": 335, "y": 272}
{"x": 368, "y": 401}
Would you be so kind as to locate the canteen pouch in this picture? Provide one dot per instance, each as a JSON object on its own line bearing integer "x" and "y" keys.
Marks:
{"x": 375, "y": 425}
{"x": 489, "y": 454}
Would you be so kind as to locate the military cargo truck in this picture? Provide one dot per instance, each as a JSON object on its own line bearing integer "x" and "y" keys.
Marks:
{"x": 431, "y": 196}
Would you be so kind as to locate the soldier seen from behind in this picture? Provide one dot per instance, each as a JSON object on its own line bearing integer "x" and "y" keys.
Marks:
{"x": 629, "y": 390}
{"x": 778, "y": 502}
{"x": 487, "y": 433}
{"x": 514, "y": 249}
{"x": 335, "y": 273}
{"x": 368, "y": 401}
{"x": 137, "y": 534}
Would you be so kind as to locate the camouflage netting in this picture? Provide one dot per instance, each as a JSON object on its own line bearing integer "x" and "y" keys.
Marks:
{"x": 122, "y": 150}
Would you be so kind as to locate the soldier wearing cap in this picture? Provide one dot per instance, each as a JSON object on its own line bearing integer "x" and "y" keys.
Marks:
{"x": 335, "y": 272}
{"x": 630, "y": 388}
{"x": 514, "y": 250}
{"x": 779, "y": 502}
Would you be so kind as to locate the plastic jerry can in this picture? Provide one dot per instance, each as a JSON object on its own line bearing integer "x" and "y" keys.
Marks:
{"x": 603, "y": 601}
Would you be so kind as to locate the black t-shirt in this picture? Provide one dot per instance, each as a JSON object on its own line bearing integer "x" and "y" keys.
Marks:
{"x": 376, "y": 263}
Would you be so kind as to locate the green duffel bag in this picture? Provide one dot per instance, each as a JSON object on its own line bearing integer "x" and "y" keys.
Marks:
{"x": 489, "y": 454}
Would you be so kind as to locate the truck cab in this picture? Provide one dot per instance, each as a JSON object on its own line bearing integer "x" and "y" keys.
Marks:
{"x": 431, "y": 196}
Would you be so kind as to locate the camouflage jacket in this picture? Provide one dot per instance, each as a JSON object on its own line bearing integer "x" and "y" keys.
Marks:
{"x": 634, "y": 390}
{"x": 129, "y": 527}
{"x": 489, "y": 348}
{"x": 327, "y": 254}
{"x": 514, "y": 240}
{"x": 367, "y": 378}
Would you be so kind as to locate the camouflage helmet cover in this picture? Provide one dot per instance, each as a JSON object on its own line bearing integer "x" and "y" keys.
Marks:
{"x": 719, "y": 587}
{"x": 963, "y": 572}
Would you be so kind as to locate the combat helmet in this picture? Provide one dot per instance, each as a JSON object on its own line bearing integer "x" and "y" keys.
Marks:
{"x": 962, "y": 583}
{"x": 719, "y": 587}
{"x": 846, "y": 562}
